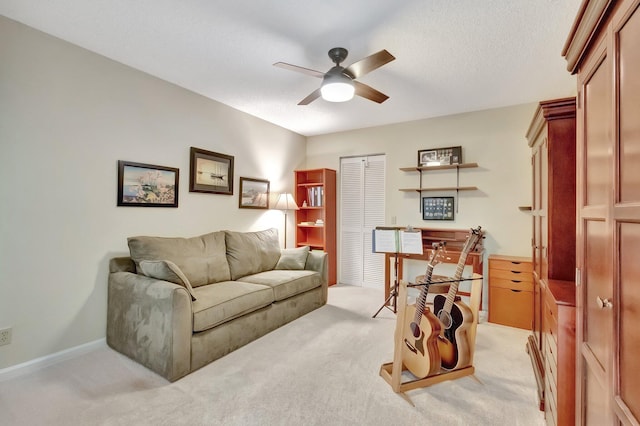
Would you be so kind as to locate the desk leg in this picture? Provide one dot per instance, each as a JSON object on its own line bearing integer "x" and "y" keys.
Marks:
{"x": 387, "y": 275}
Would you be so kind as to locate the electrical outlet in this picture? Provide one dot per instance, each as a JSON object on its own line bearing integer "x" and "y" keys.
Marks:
{"x": 5, "y": 336}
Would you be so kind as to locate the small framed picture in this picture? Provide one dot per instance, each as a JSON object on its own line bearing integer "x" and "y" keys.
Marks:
{"x": 437, "y": 208}
{"x": 147, "y": 185}
{"x": 210, "y": 172}
{"x": 440, "y": 156}
{"x": 254, "y": 193}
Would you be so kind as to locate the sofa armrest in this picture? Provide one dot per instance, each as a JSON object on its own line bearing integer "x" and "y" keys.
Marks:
{"x": 318, "y": 261}
{"x": 150, "y": 321}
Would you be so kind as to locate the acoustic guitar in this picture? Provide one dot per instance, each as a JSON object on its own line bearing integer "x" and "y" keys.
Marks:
{"x": 456, "y": 317}
{"x": 420, "y": 350}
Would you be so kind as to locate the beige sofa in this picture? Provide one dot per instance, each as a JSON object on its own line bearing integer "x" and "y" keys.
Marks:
{"x": 177, "y": 304}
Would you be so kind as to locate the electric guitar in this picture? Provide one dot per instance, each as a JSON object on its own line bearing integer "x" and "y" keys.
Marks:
{"x": 420, "y": 349}
{"x": 456, "y": 317}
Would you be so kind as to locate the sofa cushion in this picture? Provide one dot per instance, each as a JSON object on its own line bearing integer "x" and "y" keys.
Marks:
{"x": 293, "y": 259}
{"x": 166, "y": 270}
{"x": 220, "y": 302}
{"x": 202, "y": 259}
{"x": 252, "y": 252}
{"x": 285, "y": 283}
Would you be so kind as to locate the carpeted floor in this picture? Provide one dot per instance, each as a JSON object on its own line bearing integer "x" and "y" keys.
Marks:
{"x": 321, "y": 369}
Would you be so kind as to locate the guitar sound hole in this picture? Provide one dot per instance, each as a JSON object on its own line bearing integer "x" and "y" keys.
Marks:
{"x": 415, "y": 330}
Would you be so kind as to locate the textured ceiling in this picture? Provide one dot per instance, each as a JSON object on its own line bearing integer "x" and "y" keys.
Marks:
{"x": 452, "y": 56}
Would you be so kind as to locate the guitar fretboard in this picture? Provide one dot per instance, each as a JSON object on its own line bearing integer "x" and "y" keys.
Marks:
{"x": 453, "y": 289}
{"x": 421, "y": 302}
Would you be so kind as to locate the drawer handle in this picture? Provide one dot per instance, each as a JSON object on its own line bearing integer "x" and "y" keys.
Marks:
{"x": 603, "y": 303}
{"x": 515, "y": 291}
{"x": 515, "y": 272}
{"x": 516, "y": 281}
{"x": 515, "y": 263}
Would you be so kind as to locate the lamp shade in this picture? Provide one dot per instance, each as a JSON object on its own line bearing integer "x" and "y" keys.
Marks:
{"x": 286, "y": 202}
{"x": 337, "y": 87}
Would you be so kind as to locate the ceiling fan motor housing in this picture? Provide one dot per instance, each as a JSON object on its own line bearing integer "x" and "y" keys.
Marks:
{"x": 338, "y": 55}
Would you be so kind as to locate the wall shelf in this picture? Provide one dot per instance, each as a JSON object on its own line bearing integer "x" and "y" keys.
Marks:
{"x": 457, "y": 188}
{"x": 446, "y": 188}
{"x": 445, "y": 167}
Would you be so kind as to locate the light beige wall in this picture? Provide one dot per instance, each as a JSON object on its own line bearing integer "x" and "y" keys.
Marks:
{"x": 66, "y": 116}
{"x": 495, "y": 139}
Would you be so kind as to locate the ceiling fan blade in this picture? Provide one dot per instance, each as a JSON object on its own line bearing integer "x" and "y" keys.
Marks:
{"x": 368, "y": 64}
{"x": 296, "y": 68}
{"x": 312, "y": 97}
{"x": 369, "y": 92}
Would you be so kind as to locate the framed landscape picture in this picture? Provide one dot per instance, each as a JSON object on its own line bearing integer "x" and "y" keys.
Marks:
{"x": 210, "y": 172}
{"x": 254, "y": 194}
{"x": 147, "y": 185}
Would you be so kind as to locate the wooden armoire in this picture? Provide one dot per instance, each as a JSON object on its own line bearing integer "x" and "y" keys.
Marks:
{"x": 603, "y": 51}
{"x": 551, "y": 346}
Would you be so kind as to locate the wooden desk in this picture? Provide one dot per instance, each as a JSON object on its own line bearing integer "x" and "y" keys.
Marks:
{"x": 455, "y": 241}
{"x": 474, "y": 259}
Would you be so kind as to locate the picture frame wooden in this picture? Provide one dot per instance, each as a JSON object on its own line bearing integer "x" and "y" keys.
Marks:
{"x": 210, "y": 172}
{"x": 147, "y": 185}
{"x": 440, "y": 156}
{"x": 253, "y": 194}
{"x": 438, "y": 208}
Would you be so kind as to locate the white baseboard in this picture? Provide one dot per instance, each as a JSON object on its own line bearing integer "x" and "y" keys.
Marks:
{"x": 45, "y": 361}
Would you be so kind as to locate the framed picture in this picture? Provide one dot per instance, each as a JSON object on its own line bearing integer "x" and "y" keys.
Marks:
{"x": 210, "y": 172}
{"x": 147, "y": 185}
{"x": 254, "y": 193}
{"x": 440, "y": 156}
{"x": 437, "y": 208}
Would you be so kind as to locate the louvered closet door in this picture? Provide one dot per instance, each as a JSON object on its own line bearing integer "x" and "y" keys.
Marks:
{"x": 351, "y": 221}
{"x": 374, "y": 175}
{"x": 361, "y": 210}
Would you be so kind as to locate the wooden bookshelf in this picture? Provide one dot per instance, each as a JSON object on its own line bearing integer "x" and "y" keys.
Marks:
{"x": 315, "y": 195}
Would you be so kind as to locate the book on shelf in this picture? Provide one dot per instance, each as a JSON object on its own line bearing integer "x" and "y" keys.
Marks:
{"x": 315, "y": 196}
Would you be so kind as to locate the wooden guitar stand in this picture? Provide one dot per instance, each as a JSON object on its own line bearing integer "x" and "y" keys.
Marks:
{"x": 392, "y": 372}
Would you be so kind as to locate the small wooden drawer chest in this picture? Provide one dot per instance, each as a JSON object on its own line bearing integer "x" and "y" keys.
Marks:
{"x": 559, "y": 327}
{"x": 511, "y": 291}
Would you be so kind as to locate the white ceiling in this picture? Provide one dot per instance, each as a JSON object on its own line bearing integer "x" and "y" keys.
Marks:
{"x": 452, "y": 56}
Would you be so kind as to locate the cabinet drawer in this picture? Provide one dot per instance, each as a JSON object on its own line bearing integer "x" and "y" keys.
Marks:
{"x": 551, "y": 358}
{"x": 510, "y": 275}
{"x": 511, "y": 307}
{"x": 550, "y": 405}
{"x": 550, "y": 323}
{"x": 510, "y": 264}
{"x": 511, "y": 284}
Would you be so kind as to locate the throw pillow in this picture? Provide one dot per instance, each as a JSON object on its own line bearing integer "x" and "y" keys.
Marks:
{"x": 167, "y": 271}
{"x": 293, "y": 259}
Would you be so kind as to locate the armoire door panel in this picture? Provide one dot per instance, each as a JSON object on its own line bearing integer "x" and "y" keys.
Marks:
{"x": 596, "y": 409}
{"x": 598, "y": 287}
{"x": 597, "y": 150}
{"x": 629, "y": 302}
{"x": 629, "y": 107}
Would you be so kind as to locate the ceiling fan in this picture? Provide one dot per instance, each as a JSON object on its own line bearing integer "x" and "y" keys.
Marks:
{"x": 339, "y": 83}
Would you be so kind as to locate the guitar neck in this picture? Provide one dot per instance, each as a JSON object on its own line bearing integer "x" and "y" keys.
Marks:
{"x": 453, "y": 289}
{"x": 421, "y": 302}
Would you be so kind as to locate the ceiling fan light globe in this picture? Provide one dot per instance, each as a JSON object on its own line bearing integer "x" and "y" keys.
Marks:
{"x": 337, "y": 91}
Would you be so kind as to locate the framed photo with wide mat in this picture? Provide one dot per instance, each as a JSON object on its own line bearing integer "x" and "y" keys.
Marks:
{"x": 210, "y": 172}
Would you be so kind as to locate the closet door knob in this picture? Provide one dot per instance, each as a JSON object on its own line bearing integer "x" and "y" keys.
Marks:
{"x": 603, "y": 303}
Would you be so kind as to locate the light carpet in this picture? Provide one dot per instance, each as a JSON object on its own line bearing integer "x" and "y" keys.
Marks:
{"x": 321, "y": 369}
